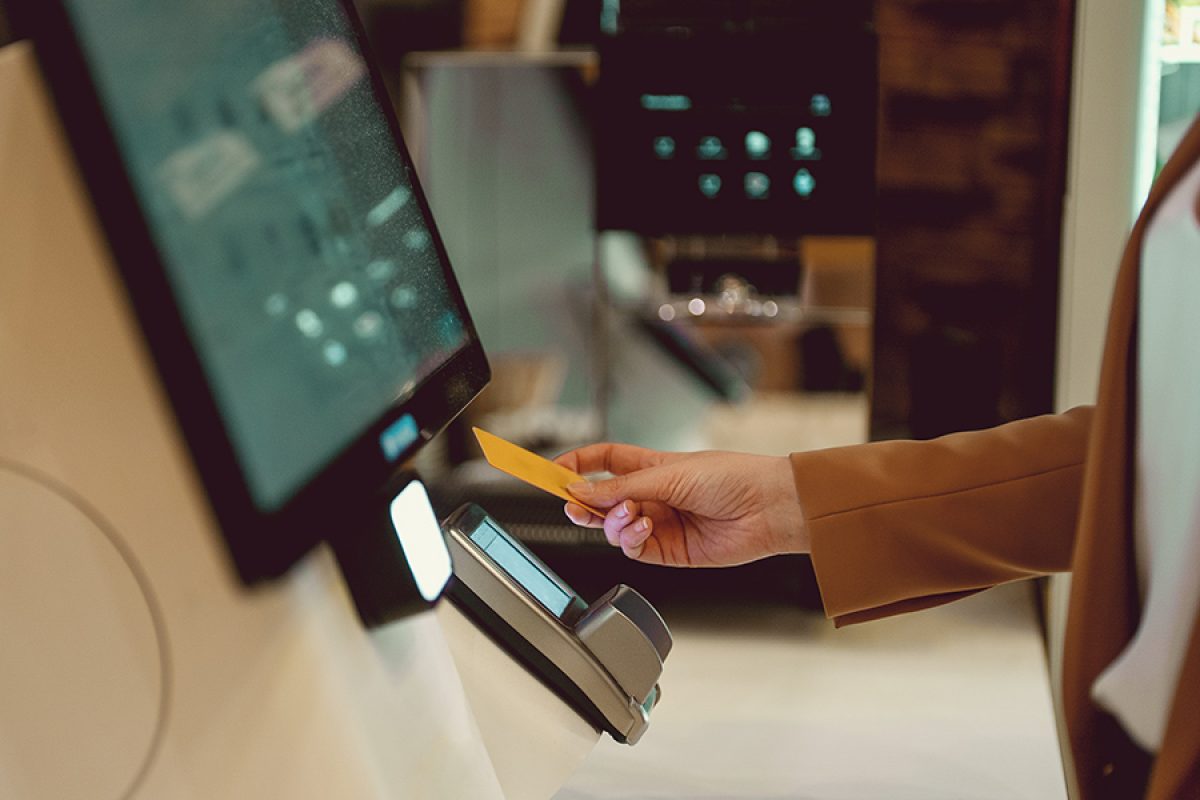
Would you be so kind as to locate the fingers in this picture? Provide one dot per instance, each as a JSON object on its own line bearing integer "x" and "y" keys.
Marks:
{"x": 618, "y": 519}
{"x": 641, "y": 474}
{"x": 582, "y": 517}
{"x": 624, "y": 526}
{"x": 618, "y": 459}
{"x": 633, "y": 538}
{"x": 663, "y": 483}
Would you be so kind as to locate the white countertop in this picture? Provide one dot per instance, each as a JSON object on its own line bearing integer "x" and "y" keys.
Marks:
{"x": 766, "y": 704}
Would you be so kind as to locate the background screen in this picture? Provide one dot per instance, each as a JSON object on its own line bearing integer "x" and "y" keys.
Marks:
{"x": 302, "y": 263}
{"x": 768, "y": 132}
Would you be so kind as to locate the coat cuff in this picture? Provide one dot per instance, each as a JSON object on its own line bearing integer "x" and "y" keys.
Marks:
{"x": 902, "y": 526}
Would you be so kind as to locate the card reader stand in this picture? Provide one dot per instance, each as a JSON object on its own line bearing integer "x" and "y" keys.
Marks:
{"x": 603, "y": 659}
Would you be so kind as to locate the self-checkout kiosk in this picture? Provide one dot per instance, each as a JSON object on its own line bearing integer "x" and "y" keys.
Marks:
{"x": 226, "y": 322}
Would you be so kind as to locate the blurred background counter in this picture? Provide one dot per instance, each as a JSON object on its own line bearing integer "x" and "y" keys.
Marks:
{"x": 772, "y": 703}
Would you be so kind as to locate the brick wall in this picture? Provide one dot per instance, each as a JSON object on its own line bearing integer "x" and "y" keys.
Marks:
{"x": 972, "y": 130}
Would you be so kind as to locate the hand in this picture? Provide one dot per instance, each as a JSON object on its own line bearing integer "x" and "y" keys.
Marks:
{"x": 705, "y": 509}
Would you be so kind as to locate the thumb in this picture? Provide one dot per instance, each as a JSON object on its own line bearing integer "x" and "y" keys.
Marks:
{"x": 654, "y": 483}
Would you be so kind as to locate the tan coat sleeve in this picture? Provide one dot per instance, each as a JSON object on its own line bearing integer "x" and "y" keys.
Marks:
{"x": 900, "y": 526}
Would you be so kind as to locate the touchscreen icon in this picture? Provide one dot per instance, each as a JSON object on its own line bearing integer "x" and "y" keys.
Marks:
{"x": 806, "y": 145}
{"x": 664, "y": 146}
{"x": 758, "y": 145}
{"x": 758, "y": 185}
{"x": 711, "y": 148}
{"x": 804, "y": 183}
{"x": 309, "y": 323}
{"x": 343, "y": 294}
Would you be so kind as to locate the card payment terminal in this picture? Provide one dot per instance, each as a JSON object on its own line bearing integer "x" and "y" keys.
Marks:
{"x": 603, "y": 659}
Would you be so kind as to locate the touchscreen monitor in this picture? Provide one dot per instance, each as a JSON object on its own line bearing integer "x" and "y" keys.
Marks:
{"x": 246, "y": 164}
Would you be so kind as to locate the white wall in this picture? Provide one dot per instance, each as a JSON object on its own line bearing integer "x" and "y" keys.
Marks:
{"x": 1105, "y": 185}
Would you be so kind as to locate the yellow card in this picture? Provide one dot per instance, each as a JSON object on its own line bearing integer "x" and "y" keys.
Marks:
{"x": 529, "y": 467}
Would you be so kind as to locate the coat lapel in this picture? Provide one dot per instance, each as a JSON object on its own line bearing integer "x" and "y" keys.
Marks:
{"x": 1105, "y": 605}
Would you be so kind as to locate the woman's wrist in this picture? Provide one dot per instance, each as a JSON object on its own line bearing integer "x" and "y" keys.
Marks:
{"x": 785, "y": 516}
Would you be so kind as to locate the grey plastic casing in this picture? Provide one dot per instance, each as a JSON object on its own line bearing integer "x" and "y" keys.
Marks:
{"x": 604, "y": 659}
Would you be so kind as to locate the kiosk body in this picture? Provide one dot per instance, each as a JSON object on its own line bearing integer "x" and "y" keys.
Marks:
{"x": 134, "y": 662}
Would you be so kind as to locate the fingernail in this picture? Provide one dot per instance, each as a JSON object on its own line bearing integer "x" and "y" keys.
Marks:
{"x": 642, "y": 525}
{"x": 624, "y": 509}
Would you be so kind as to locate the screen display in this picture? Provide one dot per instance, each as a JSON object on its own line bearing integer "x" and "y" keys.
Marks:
{"x": 717, "y": 133}
{"x": 522, "y": 567}
{"x": 303, "y": 265}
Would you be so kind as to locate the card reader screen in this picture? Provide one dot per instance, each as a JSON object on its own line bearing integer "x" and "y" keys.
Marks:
{"x": 521, "y": 567}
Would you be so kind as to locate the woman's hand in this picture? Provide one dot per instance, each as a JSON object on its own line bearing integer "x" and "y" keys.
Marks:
{"x": 705, "y": 509}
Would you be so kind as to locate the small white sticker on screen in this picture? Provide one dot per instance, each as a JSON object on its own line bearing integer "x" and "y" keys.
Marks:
{"x": 297, "y": 89}
{"x": 200, "y": 176}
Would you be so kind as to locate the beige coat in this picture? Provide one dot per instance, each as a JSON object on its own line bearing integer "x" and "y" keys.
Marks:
{"x": 899, "y": 526}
